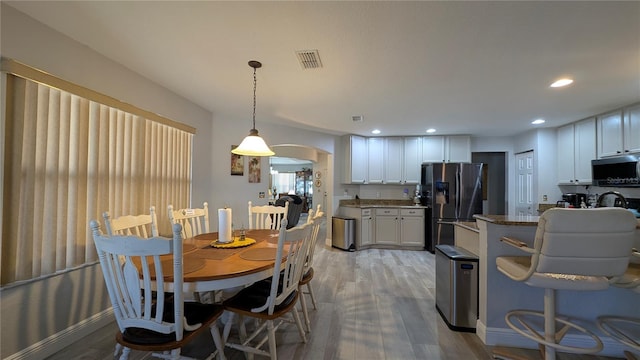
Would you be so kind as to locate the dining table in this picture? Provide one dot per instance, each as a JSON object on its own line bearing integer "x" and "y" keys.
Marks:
{"x": 209, "y": 268}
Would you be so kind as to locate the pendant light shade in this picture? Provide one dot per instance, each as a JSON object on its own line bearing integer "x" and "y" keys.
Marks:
{"x": 253, "y": 144}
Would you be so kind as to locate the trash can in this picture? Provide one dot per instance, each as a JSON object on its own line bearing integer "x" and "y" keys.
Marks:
{"x": 457, "y": 287}
{"x": 343, "y": 232}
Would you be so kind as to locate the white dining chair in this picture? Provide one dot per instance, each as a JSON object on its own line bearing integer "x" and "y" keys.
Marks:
{"x": 267, "y": 216}
{"x": 149, "y": 319}
{"x": 316, "y": 218}
{"x": 194, "y": 221}
{"x": 144, "y": 225}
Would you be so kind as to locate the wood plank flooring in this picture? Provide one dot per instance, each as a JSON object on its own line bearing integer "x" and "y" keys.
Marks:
{"x": 372, "y": 304}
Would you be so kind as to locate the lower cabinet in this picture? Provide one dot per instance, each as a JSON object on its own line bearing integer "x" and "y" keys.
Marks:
{"x": 387, "y": 226}
{"x": 412, "y": 227}
{"x": 367, "y": 228}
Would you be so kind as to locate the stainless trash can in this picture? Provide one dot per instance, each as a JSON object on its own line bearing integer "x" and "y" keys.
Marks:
{"x": 343, "y": 232}
{"x": 457, "y": 287}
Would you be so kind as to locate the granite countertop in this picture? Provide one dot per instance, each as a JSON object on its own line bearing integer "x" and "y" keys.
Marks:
{"x": 380, "y": 203}
{"x": 517, "y": 220}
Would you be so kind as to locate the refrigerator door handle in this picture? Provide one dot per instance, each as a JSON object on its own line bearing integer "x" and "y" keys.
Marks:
{"x": 457, "y": 193}
{"x": 447, "y": 222}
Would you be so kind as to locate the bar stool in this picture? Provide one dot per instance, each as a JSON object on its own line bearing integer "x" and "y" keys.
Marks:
{"x": 626, "y": 330}
{"x": 573, "y": 249}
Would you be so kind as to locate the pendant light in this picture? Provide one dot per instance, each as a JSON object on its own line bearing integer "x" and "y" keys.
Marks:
{"x": 253, "y": 144}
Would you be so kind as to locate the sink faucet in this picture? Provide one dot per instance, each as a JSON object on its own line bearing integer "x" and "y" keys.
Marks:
{"x": 623, "y": 201}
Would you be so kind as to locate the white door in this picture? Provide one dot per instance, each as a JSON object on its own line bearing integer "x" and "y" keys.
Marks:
{"x": 524, "y": 183}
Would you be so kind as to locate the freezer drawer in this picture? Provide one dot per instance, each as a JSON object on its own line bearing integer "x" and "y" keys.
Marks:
{"x": 457, "y": 287}
{"x": 343, "y": 232}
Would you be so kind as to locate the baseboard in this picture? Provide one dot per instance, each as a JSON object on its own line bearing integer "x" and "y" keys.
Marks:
{"x": 509, "y": 338}
{"x": 62, "y": 339}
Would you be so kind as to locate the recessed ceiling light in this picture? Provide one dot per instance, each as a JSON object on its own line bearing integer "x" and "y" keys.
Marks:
{"x": 561, "y": 82}
{"x": 538, "y": 121}
{"x": 375, "y": 131}
{"x": 431, "y": 131}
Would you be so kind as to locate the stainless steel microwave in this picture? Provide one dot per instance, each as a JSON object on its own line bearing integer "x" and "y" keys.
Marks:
{"x": 619, "y": 171}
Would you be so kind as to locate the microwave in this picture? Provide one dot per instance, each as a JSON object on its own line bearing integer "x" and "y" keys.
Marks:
{"x": 619, "y": 171}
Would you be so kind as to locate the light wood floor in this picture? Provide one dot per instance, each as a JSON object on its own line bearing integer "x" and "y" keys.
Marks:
{"x": 372, "y": 304}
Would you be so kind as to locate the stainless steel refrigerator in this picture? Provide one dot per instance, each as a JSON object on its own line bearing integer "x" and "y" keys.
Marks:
{"x": 451, "y": 192}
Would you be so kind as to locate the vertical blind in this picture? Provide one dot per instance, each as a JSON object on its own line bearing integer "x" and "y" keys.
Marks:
{"x": 67, "y": 160}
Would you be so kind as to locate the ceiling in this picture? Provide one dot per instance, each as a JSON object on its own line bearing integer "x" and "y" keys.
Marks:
{"x": 480, "y": 68}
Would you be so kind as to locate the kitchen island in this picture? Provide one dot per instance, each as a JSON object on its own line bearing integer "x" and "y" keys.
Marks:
{"x": 498, "y": 294}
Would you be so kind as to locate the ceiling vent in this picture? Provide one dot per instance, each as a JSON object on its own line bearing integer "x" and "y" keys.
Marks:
{"x": 309, "y": 59}
{"x": 357, "y": 118}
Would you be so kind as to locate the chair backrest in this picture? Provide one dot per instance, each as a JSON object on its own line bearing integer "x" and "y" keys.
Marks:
{"x": 316, "y": 219}
{"x": 289, "y": 264}
{"x": 136, "y": 287}
{"x": 194, "y": 221}
{"x": 143, "y": 225}
{"x": 590, "y": 242}
{"x": 267, "y": 216}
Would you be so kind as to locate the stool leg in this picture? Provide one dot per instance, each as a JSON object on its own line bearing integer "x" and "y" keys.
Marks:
{"x": 550, "y": 322}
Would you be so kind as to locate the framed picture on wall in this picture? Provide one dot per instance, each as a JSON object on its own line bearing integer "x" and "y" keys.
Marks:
{"x": 254, "y": 170}
{"x": 237, "y": 163}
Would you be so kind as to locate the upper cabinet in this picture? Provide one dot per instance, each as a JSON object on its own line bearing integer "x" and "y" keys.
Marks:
{"x": 446, "y": 148}
{"x": 576, "y": 148}
{"x": 393, "y": 160}
{"x": 375, "y": 158}
{"x": 619, "y": 132}
{"x": 355, "y": 159}
{"x": 412, "y": 160}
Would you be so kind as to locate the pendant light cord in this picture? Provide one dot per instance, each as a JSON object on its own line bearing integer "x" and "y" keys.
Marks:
{"x": 254, "y": 97}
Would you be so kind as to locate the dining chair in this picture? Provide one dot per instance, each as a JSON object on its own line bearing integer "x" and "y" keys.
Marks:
{"x": 149, "y": 319}
{"x": 573, "y": 249}
{"x": 316, "y": 218}
{"x": 268, "y": 301}
{"x": 142, "y": 225}
{"x": 267, "y": 216}
{"x": 194, "y": 221}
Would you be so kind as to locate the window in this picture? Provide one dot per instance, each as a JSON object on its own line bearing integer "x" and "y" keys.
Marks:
{"x": 68, "y": 158}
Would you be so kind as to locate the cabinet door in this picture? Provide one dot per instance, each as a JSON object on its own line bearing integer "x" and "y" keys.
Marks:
{"x": 632, "y": 129}
{"x": 565, "y": 144}
{"x": 458, "y": 149}
{"x": 610, "y": 137}
{"x": 393, "y": 160}
{"x": 412, "y": 227}
{"x": 356, "y": 162}
{"x": 433, "y": 149}
{"x": 412, "y": 160}
{"x": 386, "y": 223}
{"x": 376, "y": 160}
{"x": 367, "y": 229}
{"x": 584, "y": 150}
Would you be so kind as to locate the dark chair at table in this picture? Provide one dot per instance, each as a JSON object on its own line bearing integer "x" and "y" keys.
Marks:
{"x": 296, "y": 204}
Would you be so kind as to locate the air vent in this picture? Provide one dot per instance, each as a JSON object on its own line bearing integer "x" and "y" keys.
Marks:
{"x": 309, "y": 59}
{"x": 357, "y": 118}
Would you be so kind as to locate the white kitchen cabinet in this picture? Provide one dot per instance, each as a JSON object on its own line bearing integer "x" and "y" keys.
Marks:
{"x": 455, "y": 148}
{"x": 355, "y": 160}
{"x": 393, "y": 160}
{"x": 458, "y": 149}
{"x": 375, "y": 159}
{"x": 632, "y": 129}
{"x": 367, "y": 228}
{"x": 412, "y": 227}
{"x": 433, "y": 149}
{"x": 412, "y": 160}
{"x": 610, "y": 135}
{"x": 576, "y": 146}
{"x": 387, "y": 226}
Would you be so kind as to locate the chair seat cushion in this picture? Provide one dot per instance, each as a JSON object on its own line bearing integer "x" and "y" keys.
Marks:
{"x": 516, "y": 267}
{"x": 307, "y": 276}
{"x": 195, "y": 313}
{"x": 256, "y": 296}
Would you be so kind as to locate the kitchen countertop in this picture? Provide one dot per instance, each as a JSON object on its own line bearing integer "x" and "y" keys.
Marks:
{"x": 469, "y": 225}
{"x": 380, "y": 203}
{"x": 517, "y": 220}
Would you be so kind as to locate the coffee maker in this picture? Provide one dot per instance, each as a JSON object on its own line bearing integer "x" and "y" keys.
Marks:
{"x": 574, "y": 199}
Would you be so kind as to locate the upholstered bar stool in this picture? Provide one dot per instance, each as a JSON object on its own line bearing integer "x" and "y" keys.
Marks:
{"x": 574, "y": 249}
{"x": 624, "y": 329}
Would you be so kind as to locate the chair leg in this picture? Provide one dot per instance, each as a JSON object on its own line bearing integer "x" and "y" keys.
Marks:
{"x": 305, "y": 312}
{"x": 272, "y": 338}
{"x": 217, "y": 340}
{"x": 125, "y": 353}
{"x": 296, "y": 317}
{"x": 313, "y": 298}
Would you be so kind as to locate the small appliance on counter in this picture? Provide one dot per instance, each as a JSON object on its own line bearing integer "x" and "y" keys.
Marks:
{"x": 574, "y": 199}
